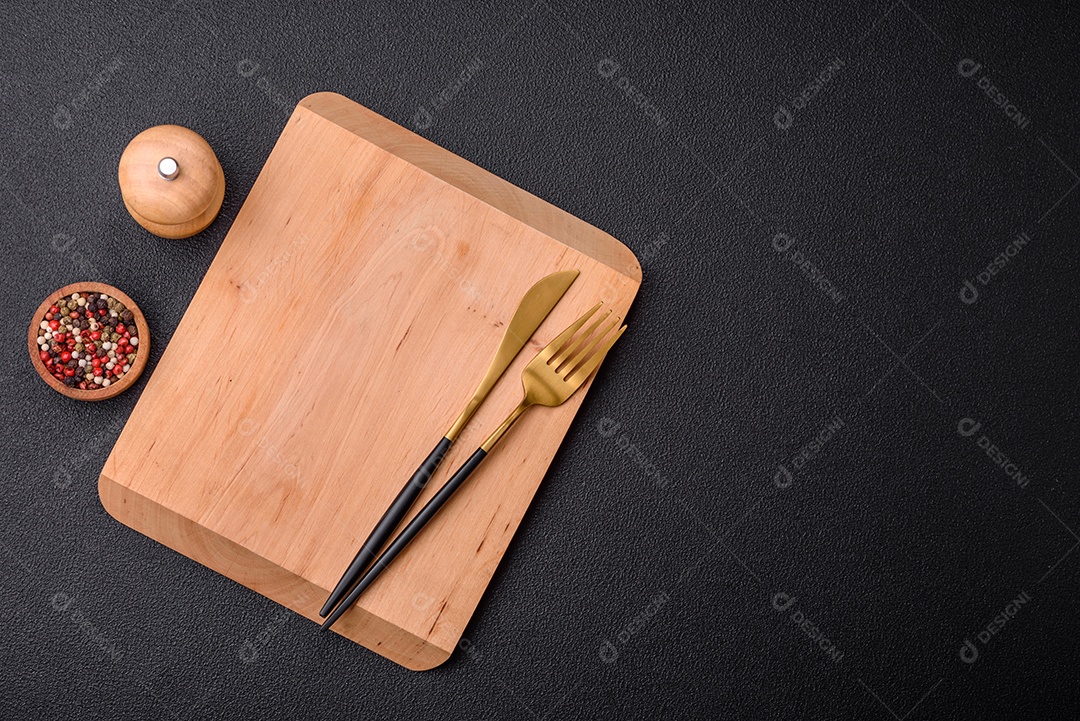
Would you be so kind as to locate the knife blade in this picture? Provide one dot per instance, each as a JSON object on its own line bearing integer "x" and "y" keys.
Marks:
{"x": 534, "y": 307}
{"x": 531, "y": 312}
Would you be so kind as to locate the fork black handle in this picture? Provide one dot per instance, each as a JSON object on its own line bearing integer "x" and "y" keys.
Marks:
{"x": 387, "y": 524}
{"x": 415, "y": 525}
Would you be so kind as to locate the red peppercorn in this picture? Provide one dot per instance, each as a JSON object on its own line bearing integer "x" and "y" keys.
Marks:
{"x": 87, "y": 333}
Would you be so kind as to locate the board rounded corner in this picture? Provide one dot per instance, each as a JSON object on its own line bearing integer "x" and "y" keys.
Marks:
{"x": 429, "y": 661}
{"x": 106, "y": 490}
{"x": 629, "y": 266}
{"x": 311, "y": 99}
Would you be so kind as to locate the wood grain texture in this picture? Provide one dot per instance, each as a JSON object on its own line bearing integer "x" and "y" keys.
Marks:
{"x": 350, "y": 311}
{"x": 177, "y": 208}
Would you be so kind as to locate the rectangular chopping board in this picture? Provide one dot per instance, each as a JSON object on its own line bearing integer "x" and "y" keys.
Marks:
{"x": 351, "y": 310}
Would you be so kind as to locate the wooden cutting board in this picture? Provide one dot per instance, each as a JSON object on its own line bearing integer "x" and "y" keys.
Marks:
{"x": 351, "y": 310}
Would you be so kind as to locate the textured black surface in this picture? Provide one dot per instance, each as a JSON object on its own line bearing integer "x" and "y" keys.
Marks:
{"x": 645, "y": 580}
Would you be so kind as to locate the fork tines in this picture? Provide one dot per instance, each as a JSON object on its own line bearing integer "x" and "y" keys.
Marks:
{"x": 571, "y": 361}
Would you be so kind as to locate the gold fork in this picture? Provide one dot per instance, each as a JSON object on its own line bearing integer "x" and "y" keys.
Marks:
{"x": 550, "y": 379}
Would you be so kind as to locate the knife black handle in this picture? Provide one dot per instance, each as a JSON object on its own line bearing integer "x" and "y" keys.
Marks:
{"x": 387, "y": 524}
{"x": 415, "y": 525}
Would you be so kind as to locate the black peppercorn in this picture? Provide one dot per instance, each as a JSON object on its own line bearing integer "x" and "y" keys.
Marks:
{"x": 87, "y": 334}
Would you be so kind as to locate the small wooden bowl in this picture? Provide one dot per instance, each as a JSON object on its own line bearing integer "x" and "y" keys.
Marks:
{"x": 140, "y": 359}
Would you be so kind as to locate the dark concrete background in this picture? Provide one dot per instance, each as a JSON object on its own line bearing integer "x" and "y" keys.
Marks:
{"x": 802, "y": 271}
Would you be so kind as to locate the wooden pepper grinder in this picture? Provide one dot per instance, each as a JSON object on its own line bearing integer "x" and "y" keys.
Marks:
{"x": 171, "y": 181}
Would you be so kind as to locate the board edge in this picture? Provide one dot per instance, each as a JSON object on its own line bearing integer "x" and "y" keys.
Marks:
{"x": 190, "y": 539}
{"x": 470, "y": 178}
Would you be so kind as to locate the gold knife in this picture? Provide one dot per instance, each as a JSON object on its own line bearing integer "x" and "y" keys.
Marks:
{"x": 534, "y": 307}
